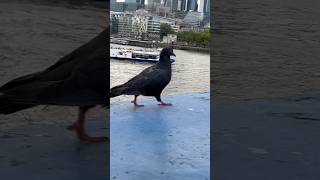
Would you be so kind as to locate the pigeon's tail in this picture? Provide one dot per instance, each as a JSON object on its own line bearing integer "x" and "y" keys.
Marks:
{"x": 117, "y": 91}
{"x": 7, "y": 107}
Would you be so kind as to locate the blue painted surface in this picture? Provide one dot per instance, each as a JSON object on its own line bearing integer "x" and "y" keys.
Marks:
{"x": 154, "y": 142}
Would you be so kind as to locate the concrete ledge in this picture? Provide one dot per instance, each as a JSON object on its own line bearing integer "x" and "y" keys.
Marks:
{"x": 154, "y": 142}
{"x": 53, "y": 153}
{"x": 267, "y": 139}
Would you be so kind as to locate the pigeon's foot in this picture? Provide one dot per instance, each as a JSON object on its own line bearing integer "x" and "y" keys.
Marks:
{"x": 164, "y": 104}
{"x": 83, "y": 136}
{"x": 136, "y": 104}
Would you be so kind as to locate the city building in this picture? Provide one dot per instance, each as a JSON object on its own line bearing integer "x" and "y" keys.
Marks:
{"x": 126, "y": 5}
{"x": 194, "y": 18}
{"x": 125, "y": 24}
{"x": 117, "y": 6}
{"x": 154, "y": 24}
{"x": 139, "y": 24}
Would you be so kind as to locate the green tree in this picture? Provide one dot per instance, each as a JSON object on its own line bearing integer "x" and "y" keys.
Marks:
{"x": 195, "y": 38}
{"x": 165, "y": 29}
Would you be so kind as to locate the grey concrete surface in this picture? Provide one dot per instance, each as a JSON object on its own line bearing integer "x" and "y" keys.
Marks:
{"x": 52, "y": 152}
{"x": 275, "y": 139}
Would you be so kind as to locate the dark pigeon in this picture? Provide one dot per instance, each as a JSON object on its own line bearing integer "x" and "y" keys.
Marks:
{"x": 78, "y": 79}
{"x": 150, "y": 82}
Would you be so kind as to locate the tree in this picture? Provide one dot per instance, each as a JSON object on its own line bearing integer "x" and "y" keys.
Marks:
{"x": 195, "y": 38}
{"x": 165, "y": 29}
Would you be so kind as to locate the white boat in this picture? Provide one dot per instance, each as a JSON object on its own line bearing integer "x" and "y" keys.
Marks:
{"x": 136, "y": 55}
{"x": 119, "y": 41}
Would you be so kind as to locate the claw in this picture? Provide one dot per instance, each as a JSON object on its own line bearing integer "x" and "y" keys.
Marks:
{"x": 164, "y": 104}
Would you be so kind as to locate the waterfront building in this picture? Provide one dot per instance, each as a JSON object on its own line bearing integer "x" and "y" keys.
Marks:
{"x": 154, "y": 24}
{"x": 125, "y": 24}
{"x": 139, "y": 24}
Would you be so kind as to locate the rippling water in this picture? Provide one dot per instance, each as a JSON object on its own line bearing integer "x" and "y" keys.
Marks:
{"x": 265, "y": 48}
{"x": 190, "y": 73}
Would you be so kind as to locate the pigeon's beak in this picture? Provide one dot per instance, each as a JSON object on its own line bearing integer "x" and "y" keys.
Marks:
{"x": 172, "y": 54}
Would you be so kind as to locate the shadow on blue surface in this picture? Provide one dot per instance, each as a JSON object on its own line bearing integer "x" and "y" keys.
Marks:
{"x": 51, "y": 152}
{"x": 267, "y": 139}
{"x": 154, "y": 142}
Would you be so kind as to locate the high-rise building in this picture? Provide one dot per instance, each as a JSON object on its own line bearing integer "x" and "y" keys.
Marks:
{"x": 192, "y": 5}
{"x": 117, "y": 6}
{"x": 204, "y": 6}
{"x": 200, "y": 5}
{"x": 179, "y": 6}
{"x": 140, "y": 3}
{"x": 207, "y": 6}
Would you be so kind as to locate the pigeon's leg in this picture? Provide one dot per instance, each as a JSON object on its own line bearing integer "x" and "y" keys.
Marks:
{"x": 79, "y": 127}
{"x": 135, "y": 102}
{"x": 161, "y": 102}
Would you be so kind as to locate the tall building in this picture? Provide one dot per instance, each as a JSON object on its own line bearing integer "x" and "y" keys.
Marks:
{"x": 206, "y": 6}
{"x": 185, "y": 5}
{"x": 140, "y": 3}
{"x": 179, "y": 6}
{"x": 174, "y": 4}
{"x": 117, "y": 6}
{"x": 201, "y": 5}
{"x": 192, "y": 5}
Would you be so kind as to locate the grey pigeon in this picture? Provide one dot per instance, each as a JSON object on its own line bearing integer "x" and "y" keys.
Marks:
{"x": 78, "y": 79}
{"x": 150, "y": 82}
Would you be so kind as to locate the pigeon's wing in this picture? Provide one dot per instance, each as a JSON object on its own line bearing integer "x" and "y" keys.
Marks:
{"x": 77, "y": 79}
{"x": 62, "y": 69}
{"x": 149, "y": 82}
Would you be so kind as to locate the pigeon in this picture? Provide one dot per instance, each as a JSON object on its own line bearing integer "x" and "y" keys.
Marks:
{"x": 150, "y": 82}
{"x": 77, "y": 79}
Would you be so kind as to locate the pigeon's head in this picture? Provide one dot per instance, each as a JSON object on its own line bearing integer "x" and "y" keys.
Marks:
{"x": 166, "y": 53}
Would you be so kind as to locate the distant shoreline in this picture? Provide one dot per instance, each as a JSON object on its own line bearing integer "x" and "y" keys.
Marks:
{"x": 191, "y": 48}
{"x": 149, "y": 44}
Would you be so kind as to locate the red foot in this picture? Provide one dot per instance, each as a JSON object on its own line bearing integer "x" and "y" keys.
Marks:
{"x": 165, "y": 104}
{"x": 136, "y": 104}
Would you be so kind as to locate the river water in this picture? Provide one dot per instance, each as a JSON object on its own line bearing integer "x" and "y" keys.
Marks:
{"x": 265, "y": 48}
{"x": 34, "y": 34}
{"x": 190, "y": 73}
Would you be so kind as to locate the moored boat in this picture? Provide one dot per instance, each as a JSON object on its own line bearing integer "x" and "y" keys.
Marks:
{"x": 119, "y": 41}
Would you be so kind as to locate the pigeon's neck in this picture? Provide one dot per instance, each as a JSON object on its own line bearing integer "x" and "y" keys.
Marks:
{"x": 165, "y": 60}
